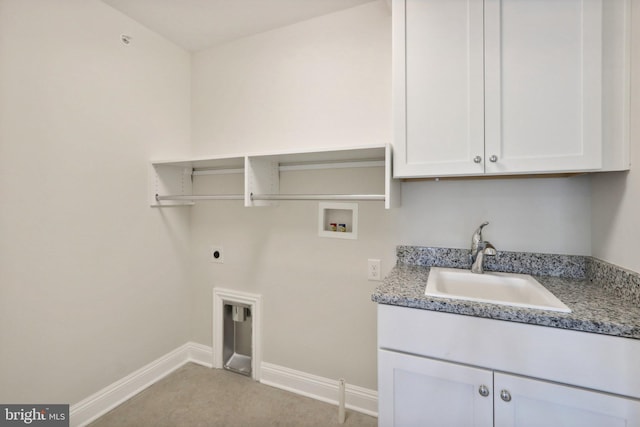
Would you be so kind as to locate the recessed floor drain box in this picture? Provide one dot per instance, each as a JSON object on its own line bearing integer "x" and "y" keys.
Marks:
{"x": 238, "y": 325}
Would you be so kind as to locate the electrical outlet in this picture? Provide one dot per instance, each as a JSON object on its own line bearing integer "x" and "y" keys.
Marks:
{"x": 373, "y": 269}
{"x": 216, "y": 254}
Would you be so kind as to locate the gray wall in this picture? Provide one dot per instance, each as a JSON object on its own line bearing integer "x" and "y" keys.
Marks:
{"x": 93, "y": 282}
{"x": 616, "y": 196}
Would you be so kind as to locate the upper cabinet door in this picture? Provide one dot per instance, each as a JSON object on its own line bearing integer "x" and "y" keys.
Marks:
{"x": 543, "y": 82}
{"x": 438, "y": 87}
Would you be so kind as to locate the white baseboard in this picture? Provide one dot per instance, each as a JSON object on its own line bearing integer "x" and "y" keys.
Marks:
{"x": 324, "y": 389}
{"x": 82, "y": 413}
{"x": 319, "y": 388}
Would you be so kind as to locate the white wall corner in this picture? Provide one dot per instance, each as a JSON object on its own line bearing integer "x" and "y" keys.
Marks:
{"x": 199, "y": 354}
{"x": 101, "y": 402}
{"x": 324, "y": 389}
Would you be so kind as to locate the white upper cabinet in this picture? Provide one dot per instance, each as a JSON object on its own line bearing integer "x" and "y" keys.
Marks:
{"x": 509, "y": 86}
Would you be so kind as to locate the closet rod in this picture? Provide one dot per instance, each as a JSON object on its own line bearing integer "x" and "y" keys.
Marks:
{"x": 295, "y": 167}
{"x": 203, "y": 197}
{"x": 362, "y": 197}
{"x": 318, "y": 197}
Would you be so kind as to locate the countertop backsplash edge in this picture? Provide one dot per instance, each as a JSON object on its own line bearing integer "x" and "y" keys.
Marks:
{"x": 624, "y": 283}
{"x": 538, "y": 264}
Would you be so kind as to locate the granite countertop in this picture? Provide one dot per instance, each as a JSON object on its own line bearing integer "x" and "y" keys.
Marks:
{"x": 598, "y": 302}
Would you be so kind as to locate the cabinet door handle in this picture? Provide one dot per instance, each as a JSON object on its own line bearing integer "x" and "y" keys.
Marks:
{"x": 493, "y": 158}
{"x": 505, "y": 395}
{"x": 477, "y": 159}
{"x": 483, "y": 390}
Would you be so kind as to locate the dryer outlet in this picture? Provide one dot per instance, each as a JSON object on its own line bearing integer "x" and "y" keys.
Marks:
{"x": 216, "y": 254}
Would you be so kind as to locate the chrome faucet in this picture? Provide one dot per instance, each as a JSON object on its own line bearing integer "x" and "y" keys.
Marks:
{"x": 480, "y": 248}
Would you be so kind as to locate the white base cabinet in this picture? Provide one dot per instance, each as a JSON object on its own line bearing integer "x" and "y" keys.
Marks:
{"x": 446, "y": 370}
{"x": 419, "y": 391}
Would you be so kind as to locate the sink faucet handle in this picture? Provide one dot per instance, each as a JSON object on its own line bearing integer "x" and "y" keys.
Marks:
{"x": 489, "y": 249}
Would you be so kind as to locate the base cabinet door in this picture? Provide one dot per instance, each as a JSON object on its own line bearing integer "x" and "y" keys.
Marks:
{"x": 525, "y": 402}
{"x": 416, "y": 391}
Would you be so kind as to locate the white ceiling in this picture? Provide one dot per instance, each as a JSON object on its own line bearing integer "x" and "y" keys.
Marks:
{"x": 199, "y": 24}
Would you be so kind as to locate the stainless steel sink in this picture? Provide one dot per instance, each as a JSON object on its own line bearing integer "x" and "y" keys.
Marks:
{"x": 518, "y": 290}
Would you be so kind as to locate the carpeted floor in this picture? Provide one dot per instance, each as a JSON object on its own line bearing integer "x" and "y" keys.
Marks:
{"x": 197, "y": 396}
